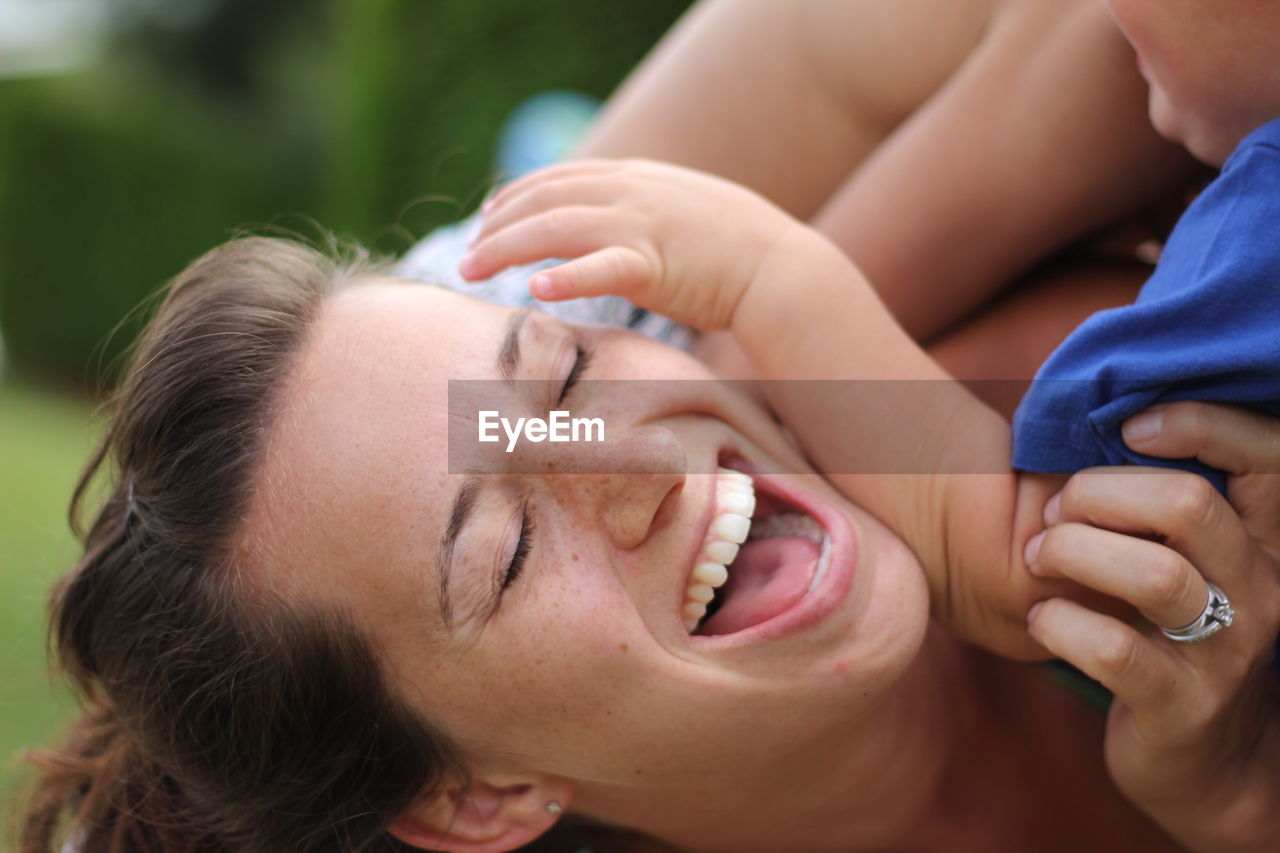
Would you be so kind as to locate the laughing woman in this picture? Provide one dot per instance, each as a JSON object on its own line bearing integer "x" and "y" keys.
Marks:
{"x": 296, "y": 630}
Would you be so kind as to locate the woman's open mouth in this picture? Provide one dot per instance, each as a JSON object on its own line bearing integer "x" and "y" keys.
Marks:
{"x": 762, "y": 556}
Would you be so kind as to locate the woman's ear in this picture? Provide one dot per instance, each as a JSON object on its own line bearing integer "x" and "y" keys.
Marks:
{"x": 491, "y": 815}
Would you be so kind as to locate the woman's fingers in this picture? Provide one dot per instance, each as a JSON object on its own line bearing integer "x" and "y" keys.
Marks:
{"x": 617, "y": 269}
{"x": 1236, "y": 440}
{"x": 563, "y": 232}
{"x": 1189, "y": 716}
{"x": 1243, "y": 443}
{"x": 1183, "y": 510}
{"x": 1144, "y": 676}
{"x": 1157, "y": 580}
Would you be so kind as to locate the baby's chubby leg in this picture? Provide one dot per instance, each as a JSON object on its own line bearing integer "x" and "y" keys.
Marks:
{"x": 997, "y": 350}
{"x": 945, "y": 145}
{"x": 1037, "y": 139}
{"x": 786, "y": 97}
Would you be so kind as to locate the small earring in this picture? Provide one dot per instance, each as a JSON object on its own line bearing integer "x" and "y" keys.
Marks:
{"x": 553, "y": 807}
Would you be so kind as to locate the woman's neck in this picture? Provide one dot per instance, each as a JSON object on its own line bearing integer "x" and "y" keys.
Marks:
{"x": 1026, "y": 770}
{"x": 972, "y": 753}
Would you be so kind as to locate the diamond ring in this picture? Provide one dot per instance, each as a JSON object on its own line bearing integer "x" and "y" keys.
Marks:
{"x": 1216, "y": 616}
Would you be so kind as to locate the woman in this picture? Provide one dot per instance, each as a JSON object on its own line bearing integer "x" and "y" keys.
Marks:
{"x": 357, "y": 744}
{"x": 298, "y": 632}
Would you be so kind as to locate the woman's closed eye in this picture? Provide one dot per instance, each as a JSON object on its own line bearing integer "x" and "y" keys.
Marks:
{"x": 524, "y": 544}
{"x": 524, "y": 541}
{"x": 581, "y": 361}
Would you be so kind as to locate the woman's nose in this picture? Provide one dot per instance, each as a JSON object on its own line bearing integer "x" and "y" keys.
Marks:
{"x": 620, "y": 484}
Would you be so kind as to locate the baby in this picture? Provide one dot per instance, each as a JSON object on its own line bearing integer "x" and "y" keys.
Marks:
{"x": 714, "y": 255}
{"x": 1205, "y": 325}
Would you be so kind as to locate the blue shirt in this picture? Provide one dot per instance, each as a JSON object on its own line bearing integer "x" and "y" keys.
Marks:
{"x": 1206, "y": 326}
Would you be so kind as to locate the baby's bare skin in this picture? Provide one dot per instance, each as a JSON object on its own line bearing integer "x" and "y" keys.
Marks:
{"x": 716, "y": 256}
{"x": 946, "y": 146}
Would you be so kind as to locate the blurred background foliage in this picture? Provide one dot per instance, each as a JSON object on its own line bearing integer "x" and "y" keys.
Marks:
{"x": 136, "y": 134}
{"x": 374, "y": 118}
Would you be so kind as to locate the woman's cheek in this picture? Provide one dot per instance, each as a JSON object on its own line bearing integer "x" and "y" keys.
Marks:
{"x": 576, "y": 680}
{"x": 584, "y": 624}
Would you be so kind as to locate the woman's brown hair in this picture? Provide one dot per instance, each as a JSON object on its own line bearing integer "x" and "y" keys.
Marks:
{"x": 216, "y": 717}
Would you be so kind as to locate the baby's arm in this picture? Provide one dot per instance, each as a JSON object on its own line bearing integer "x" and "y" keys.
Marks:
{"x": 899, "y": 436}
{"x": 716, "y": 256}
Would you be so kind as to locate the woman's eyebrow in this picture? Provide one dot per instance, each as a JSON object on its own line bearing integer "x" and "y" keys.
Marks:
{"x": 509, "y": 351}
{"x": 464, "y": 501}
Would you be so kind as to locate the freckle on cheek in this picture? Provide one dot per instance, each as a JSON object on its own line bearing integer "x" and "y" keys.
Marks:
{"x": 624, "y": 648}
{"x": 575, "y": 558}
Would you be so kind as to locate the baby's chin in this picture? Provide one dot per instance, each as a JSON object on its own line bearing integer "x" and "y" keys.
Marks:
{"x": 1209, "y": 140}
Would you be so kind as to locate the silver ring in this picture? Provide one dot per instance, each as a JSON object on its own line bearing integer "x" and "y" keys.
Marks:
{"x": 1216, "y": 616}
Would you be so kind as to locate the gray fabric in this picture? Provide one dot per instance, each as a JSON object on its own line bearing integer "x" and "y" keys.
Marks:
{"x": 434, "y": 259}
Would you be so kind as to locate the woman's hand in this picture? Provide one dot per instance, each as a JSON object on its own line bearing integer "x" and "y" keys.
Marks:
{"x": 1243, "y": 443}
{"x": 675, "y": 241}
{"x": 1193, "y": 737}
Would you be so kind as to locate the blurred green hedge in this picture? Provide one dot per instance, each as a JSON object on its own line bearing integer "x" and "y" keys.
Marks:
{"x": 373, "y": 118}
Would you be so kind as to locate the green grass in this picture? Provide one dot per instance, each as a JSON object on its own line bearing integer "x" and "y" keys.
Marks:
{"x": 44, "y": 440}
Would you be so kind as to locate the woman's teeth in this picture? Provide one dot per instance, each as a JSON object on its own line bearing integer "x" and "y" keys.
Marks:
{"x": 735, "y": 502}
{"x": 733, "y": 525}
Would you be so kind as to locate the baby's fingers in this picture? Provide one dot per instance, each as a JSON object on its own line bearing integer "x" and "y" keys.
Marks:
{"x": 617, "y": 269}
{"x": 1141, "y": 674}
{"x": 539, "y": 196}
{"x": 557, "y": 172}
{"x": 563, "y": 232}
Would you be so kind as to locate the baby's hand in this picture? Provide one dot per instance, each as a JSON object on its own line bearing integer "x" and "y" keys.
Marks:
{"x": 1194, "y": 732}
{"x": 675, "y": 241}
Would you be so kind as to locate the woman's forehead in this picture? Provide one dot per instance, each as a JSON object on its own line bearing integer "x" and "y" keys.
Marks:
{"x": 355, "y": 467}
{"x": 390, "y": 324}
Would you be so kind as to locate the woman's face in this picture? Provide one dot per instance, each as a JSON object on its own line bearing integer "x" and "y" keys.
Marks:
{"x": 582, "y": 665}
